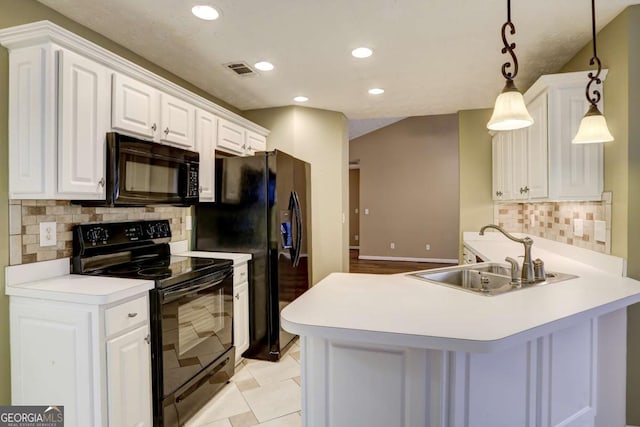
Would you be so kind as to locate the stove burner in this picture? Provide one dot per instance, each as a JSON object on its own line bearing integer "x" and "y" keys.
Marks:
{"x": 123, "y": 269}
{"x": 155, "y": 273}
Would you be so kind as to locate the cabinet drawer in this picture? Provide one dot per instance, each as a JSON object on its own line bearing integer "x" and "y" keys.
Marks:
{"x": 125, "y": 315}
{"x": 240, "y": 274}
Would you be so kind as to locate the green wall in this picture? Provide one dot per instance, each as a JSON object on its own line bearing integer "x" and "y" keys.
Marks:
{"x": 17, "y": 12}
{"x": 476, "y": 204}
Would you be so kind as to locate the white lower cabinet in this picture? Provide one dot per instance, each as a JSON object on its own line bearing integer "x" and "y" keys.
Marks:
{"x": 129, "y": 388}
{"x": 240, "y": 310}
{"x": 564, "y": 378}
{"x": 92, "y": 359}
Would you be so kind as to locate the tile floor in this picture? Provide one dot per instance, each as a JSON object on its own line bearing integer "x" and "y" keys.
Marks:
{"x": 264, "y": 394}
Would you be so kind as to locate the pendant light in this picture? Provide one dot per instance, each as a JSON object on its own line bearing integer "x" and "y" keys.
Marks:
{"x": 593, "y": 127}
{"x": 510, "y": 112}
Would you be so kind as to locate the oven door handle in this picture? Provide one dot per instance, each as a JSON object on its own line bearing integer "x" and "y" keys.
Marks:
{"x": 168, "y": 296}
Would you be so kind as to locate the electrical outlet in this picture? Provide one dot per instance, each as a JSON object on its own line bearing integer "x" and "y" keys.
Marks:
{"x": 356, "y": 237}
{"x": 600, "y": 231}
{"x": 187, "y": 220}
{"x": 392, "y": 245}
{"x": 357, "y": 210}
{"x": 47, "y": 234}
{"x": 427, "y": 247}
{"x": 366, "y": 211}
{"x": 578, "y": 227}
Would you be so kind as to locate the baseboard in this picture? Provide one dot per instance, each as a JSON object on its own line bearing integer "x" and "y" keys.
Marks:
{"x": 393, "y": 258}
{"x": 354, "y": 247}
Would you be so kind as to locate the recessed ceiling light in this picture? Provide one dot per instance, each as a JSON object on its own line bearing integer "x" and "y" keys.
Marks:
{"x": 362, "y": 52}
{"x": 264, "y": 66}
{"x": 205, "y": 12}
{"x": 376, "y": 91}
{"x": 301, "y": 99}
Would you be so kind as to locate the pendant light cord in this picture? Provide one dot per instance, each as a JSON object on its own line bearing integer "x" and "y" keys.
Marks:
{"x": 509, "y": 47}
{"x": 594, "y": 96}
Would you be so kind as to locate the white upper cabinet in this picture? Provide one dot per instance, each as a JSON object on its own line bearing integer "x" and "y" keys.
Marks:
{"x": 83, "y": 121}
{"x": 140, "y": 109}
{"x": 206, "y": 135}
{"x": 178, "y": 120}
{"x": 542, "y": 162}
{"x": 255, "y": 142}
{"x": 66, "y": 93}
{"x": 59, "y": 116}
{"x": 134, "y": 106}
{"x": 231, "y": 137}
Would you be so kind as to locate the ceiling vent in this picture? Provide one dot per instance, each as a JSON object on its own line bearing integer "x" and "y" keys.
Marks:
{"x": 241, "y": 68}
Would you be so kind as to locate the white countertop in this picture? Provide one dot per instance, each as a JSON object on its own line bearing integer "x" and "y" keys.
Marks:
{"x": 51, "y": 280}
{"x": 181, "y": 248}
{"x": 404, "y": 311}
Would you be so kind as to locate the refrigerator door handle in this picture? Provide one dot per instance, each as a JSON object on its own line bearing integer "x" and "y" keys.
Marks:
{"x": 297, "y": 211}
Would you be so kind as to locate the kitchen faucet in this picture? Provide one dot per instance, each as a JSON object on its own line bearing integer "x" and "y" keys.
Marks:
{"x": 527, "y": 275}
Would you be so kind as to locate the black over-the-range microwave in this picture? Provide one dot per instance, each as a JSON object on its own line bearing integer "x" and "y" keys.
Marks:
{"x": 140, "y": 173}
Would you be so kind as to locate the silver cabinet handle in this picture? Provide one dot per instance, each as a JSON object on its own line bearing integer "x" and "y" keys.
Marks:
{"x": 133, "y": 314}
{"x": 154, "y": 127}
{"x": 148, "y": 339}
{"x": 238, "y": 297}
{"x": 499, "y": 193}
{"x": 166, "y": 131}
{"x": 200, "y": 189}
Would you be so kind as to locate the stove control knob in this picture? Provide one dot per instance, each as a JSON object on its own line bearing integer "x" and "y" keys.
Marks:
{"x": 164, "y": 229}
{"x": 151, "y": 230}
{"x": 91, "y": 236}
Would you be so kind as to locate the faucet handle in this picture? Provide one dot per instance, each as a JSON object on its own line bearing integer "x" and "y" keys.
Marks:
{"x": 538, "y": 270}
{"x": 515, "y": 270}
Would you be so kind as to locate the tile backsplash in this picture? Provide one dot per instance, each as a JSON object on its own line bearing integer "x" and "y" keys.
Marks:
{"x": 556, "y": 220}
{"x": 25, "y": 217}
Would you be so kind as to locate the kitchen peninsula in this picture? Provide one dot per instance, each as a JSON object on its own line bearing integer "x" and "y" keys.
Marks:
{"x": 382, "y": 350}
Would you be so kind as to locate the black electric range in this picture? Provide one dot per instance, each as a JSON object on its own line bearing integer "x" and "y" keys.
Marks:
{"x": 191, "y": 310}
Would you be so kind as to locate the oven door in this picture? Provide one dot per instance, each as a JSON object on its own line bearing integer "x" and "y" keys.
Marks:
{"x": 196, "y": 322}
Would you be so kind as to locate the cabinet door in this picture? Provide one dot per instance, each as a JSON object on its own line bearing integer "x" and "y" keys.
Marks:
{"x": 255, "y": 142}
{"x": 537, "y": 157}
{"x": 129, "y": 379}
{"x": 502, "y": 166}
{"x": 206, "y": 132}
{"x": 241, "y": 318}
{"x": 577, "y": 169}
{"x": 518, "y": 141}
{"x": 134, "y": 106}
{"x": 32, "y": 157}
{"x": 51, "y": 359}
{"x": 231, "y": 137}
{"x": 83, "y": 120}
{"x": 177, "y": 119}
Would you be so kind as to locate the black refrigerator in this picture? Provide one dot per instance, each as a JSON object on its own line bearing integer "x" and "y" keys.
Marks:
{"x": 262, "y": 208}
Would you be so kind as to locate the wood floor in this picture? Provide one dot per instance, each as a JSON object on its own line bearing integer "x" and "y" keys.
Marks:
{"x": 386, "y": 267}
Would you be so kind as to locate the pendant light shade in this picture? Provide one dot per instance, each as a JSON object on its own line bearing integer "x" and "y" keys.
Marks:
{"x": 593, "y": 127}
{"x": 510, "y": 111}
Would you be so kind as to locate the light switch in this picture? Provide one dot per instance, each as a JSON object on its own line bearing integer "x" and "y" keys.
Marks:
{"x": 47, "y": 234}
{"x": 366, "y": 211}
{"x": 600, "y": 231}
{"x": 578, "y": 227}
{"x": 357, "y": 210}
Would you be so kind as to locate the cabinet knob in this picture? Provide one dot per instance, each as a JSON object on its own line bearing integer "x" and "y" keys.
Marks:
{"x": 499, "y": 193}
{"x": 200, "y": 189}
{"x": 166, "y": 131}
{"x": 101, "y": 182}
{"x": 238, "y": 296}
{"x": 526, "y": 189}
{"x": 133, "y": 314}
{"x": 244, "y": 146}
{"x": 148, "y": 339}
{"x": 154, "y": 127}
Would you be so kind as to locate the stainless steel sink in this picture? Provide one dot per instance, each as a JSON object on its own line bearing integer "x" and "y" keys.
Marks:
{"x": 483, "y": 278}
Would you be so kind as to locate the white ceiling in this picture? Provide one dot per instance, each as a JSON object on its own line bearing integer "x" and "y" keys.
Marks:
{"x": 431, "y": 56}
